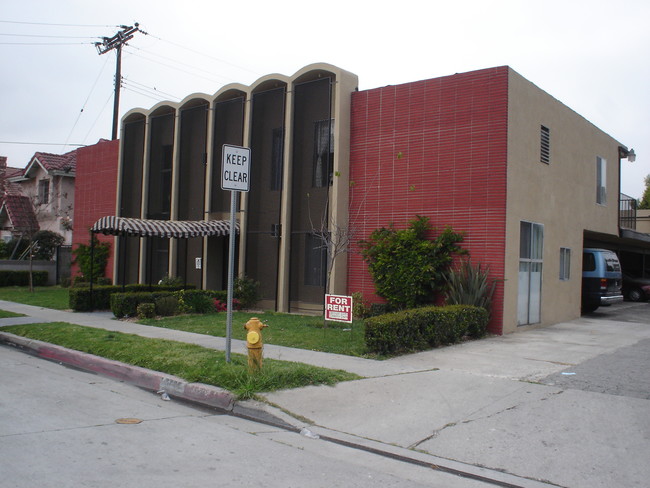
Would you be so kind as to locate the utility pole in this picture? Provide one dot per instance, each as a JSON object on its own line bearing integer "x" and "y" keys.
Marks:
{"x": 116, "y": 42}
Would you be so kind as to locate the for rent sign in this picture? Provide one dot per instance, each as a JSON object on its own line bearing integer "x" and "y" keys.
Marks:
{"x": 338, "y": 308}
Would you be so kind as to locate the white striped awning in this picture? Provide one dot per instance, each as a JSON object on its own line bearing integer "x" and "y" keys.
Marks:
{"x": 124, "y": 226}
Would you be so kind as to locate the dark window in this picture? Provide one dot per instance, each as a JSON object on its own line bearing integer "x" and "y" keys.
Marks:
{"x": 44, "y": 192}
{"x": 601, "y": 180}
{"x": 565, "y": 263}
{"x": 276, "y": 159}
{"x": 545, "y": 145}
{"x": 323, "y": 153}
{"x": 166, "y": 180}
{"x": 315, "y": 261}
{"x": 588, "y": 262}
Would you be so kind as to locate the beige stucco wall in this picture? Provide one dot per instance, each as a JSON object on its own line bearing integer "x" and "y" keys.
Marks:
{"x": 643, "y": 221}
{"x": 61, "y": 201}
{"x": 560, "y": 195}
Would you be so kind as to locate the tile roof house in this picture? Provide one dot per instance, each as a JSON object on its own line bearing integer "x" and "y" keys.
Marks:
{"x": 38, "y": 197}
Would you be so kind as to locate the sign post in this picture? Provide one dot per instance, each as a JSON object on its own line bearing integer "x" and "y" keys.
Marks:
{"x": 235, "y": 176}
{"x": 338, "y": 308}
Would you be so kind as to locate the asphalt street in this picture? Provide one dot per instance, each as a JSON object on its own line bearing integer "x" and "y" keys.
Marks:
{"x": 565, "y": 405}
{"x": 60, "y": 428}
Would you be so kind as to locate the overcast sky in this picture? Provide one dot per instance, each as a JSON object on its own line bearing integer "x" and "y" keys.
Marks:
{"x": 592, "y": 55}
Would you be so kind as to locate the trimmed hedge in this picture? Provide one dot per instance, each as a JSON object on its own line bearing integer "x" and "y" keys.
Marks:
{"x": 189, "y": 301}
{"x": 21, "y": 278}
{"x": 80, "y": 295}
{"x": 423, "y": 328}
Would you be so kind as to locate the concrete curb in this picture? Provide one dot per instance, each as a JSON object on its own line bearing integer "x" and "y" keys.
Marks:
{"x": 206, "y": 395}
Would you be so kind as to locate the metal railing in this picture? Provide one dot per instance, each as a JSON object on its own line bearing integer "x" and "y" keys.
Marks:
{"x": 627, "y": 213}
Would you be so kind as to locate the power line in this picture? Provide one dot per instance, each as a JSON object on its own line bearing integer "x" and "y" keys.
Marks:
{"x": 98, "y": 117}
{"x": 153, "y": 89}
{"x": 41, "y": 143}
{"x": 58, "y": 25}
{"x": 44, "y": 43}
{"x": 172, "y": 60}
{"x": 184, "y": 70}
{"x": 53, "y": 37}
{"x": 86, "y": 101}
{"x": 204, "y": 54}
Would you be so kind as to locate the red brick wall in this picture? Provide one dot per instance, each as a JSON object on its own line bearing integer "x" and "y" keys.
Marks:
{"x": 95, "y": 190}
{"x": 436, "y": 148}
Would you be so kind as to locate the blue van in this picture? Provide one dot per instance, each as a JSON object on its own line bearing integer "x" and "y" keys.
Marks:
{"x": 601, "y": 279}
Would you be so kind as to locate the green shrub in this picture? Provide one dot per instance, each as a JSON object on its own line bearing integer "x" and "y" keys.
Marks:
{"x": 477, "y": 319}
{"x": 146, "y": 310}
{"x": 80, "y": 295}
{"x": 195, "y": 301}
{"x": 421, "y": 328}
{"x": 95, "y": 267}
{"x": 126, "y": 304}
{"x": 407, "y": 268}
{"x": 470, "y": 285}
{"x": 360, "y": 307}
{"x": 379, "y": 309}
{"x": 167, "y": 306}
{"x": 21, "y": 278}
{"x": 171, "y": 281}
{"x": 247, "y": 291}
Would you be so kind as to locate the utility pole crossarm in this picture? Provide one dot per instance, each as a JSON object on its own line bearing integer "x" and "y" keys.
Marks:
{"x": 116, "y": 42}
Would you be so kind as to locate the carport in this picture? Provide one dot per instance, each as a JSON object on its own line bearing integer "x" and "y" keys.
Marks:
{"x": 179, "y": 229}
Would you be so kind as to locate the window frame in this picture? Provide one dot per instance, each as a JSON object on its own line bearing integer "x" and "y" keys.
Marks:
{"x": 565, "y": 263}
{"x": 601, "y": 180}
{"x": 44, "y": 191}
{"x": 545, "y": 145}
{"x": 531, "y": 267}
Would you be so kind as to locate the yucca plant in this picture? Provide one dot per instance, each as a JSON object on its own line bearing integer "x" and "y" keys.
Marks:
{"x": 470, "y": 285}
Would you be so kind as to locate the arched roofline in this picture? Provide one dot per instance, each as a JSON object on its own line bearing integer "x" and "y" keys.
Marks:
{"x": 269, "y": 82}
{"x": 232, "y": 90}
{"x": 193, "y": 100}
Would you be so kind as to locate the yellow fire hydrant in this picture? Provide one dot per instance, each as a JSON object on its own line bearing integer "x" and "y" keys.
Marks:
{"x": 254, "y": 344}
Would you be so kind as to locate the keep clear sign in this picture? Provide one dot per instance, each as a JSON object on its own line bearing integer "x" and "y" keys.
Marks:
{"x": 235, "y": 168}
{"x": 338, "y": 308}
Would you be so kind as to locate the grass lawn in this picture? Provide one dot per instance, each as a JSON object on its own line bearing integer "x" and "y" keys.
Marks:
{"x": 190, "y": 362}
{"x": 300, "y": 331}
{"x": 4, "y": 314}
{"x": 42, "y": 296}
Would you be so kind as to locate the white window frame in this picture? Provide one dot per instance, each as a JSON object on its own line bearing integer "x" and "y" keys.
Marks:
{"x": 531, "y": 264}
{"x": 565, "y": 263}
{"x": 44, "y": 191}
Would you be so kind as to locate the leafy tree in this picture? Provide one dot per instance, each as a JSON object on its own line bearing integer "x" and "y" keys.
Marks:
{"x": 45, "y": 244}
{"x": 644, "y": 203}
{"x": 406, "y": 267}
{"x": 98, "y": 263}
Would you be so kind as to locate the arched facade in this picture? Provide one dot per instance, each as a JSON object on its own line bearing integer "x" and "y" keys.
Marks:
{"x": 298, "y": 131}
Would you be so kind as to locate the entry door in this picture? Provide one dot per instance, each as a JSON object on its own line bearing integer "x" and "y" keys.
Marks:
{"x": 531, "y": 245}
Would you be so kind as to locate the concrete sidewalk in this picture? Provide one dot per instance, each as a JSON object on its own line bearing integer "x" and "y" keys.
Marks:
{"x": 480, "y": 407}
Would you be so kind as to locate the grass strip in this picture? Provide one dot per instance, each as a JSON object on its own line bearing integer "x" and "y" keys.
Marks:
{"x": 188, "y": 361}
{"x": 5, "y": 314}
{"x": 291, "y": 330}
{"x": 43, "y": 296}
